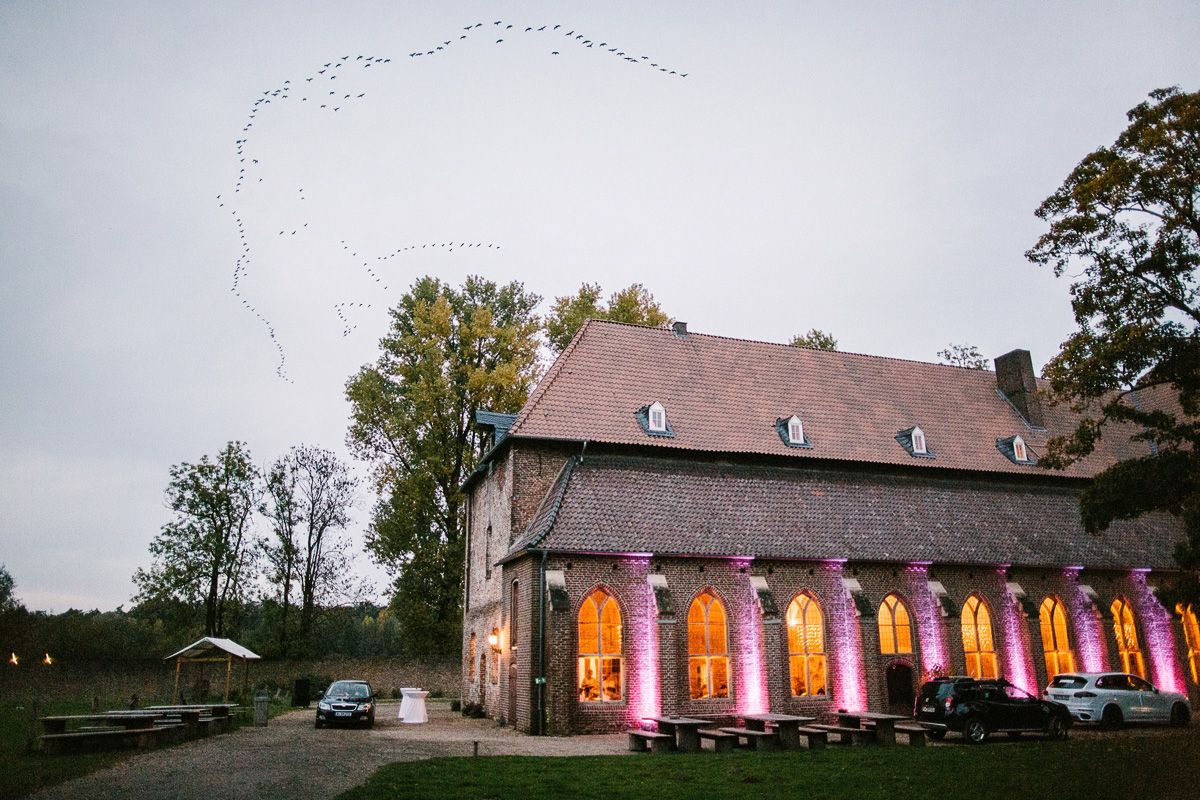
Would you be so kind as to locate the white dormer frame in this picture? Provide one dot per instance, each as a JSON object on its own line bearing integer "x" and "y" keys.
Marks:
{"x": 918, "y": 441}
{"x": 656, "y": 417}
{"x": 1020, "y": 451}
{"x": 795, "y": 430}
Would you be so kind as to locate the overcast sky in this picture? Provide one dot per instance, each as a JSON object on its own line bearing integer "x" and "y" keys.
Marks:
{"x": 868, "y": 169}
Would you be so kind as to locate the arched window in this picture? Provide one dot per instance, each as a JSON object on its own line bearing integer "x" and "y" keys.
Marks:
{"x": 978, "y": 645}
{"x": 806, "y": 646}
{"x": 1191, "y": 637}
{"x": 895, "y": 626}
{"x": 795, "y": 430}
{"x": 513, "y": 616}
{"x": 1125, "y": 628}
{"x": 600, "y": 674}
{"x": 918, "y": 441}
{"x": 471, "y": 658}
{"x": 1055, "y": 641}
{"x": 708, "y": 650}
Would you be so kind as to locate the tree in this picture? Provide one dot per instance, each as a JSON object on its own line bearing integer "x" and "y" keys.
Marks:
{"x": 203, "y": 556}
{"x": 309, "y": 494}
{"x": 966, "y": 356}
{"x": 8, "y": 599}
{"x": 1125, "y": 225}
{"x": 449, "y": 352}
{"x": 815, "y": 339}
{"x": 632, "y": 304}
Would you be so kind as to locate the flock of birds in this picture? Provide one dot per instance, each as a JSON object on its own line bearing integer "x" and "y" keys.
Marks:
{"x": 319, "y": 90}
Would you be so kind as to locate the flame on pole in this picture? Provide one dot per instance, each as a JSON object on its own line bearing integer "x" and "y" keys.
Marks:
{"x": 14, "y": 660}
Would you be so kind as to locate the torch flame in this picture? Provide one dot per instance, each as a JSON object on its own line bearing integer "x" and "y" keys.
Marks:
{"x": 47, "y": 660}
{"x": 14, "y": 660}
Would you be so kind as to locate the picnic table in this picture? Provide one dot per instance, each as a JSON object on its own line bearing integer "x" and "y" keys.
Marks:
{"x": 212, "y": 709}
{"x": 788, "y": 726}
{"x": 130, "y": 720}
{"x": 885, "y": 724}
{"x": 686, "y": 731}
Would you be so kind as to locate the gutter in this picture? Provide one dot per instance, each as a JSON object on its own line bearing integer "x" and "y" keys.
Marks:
{"x": 540, "y": 728}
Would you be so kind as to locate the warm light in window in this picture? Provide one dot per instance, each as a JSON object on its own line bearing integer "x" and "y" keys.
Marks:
{"x": 1125, "y": 628}
{"x": 657, "y": 417}
{"x": 601, "y": 677}
{"x": 806, "y": 646}
{"x": 1191, "y": 637}
{"x": 494, "y": 639}
{"x": 708, "y": 648}
{"x": 918, "y": 440}
{"x": 795, "y": 431}
{"x": 1055, "y": 643}
{"x": 1019, "y": 449}
{"x": 895, "y": 627}
{"x": 978, "y": 644}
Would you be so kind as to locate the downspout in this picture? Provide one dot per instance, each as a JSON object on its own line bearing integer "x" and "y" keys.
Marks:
{"x": 541, "y": 681}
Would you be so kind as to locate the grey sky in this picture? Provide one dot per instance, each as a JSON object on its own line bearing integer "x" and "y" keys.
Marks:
{"x": 869, "y": 169}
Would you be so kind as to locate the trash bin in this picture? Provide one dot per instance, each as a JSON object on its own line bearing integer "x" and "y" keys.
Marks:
{"x": 301, "y": 693}
{"x": 260, "y": 710}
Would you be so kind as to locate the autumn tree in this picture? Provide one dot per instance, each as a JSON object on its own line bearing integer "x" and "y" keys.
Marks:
{"x": 448, "y": 353}
{"x": 963, "y": 355}
{"x": 308, "y": 498}
{"x": 8, "y": 598}
{"x": 203, "y": 557}
{"x": 815, "y": 339}
{"x": 1125, "y": 226}
{"x": 632, "y": 304}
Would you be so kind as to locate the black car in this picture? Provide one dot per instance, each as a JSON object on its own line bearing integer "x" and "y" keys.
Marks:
{"x": 979, "y": 708}
{"x": 346, "y": 703}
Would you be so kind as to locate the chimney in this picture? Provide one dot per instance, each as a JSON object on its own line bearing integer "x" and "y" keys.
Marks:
{"x": 679, "y": 327}
{"x": 1015, "y": 378}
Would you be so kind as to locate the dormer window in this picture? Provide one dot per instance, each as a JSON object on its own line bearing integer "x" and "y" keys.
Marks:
{"x": 918, "y": 441}
{"x": 653, "y": 419}
{"x": 795, "y": 431}
{"x": 1015, "y": 450}
{"x": 657, "y": 416}
{"x": 1019, "y": 452}
{"x": 791, "y": 431}
{"x": 914, "y": 442}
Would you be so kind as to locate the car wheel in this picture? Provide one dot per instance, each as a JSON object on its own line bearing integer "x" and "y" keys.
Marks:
{"x": 975, "y": 731}
{"x": 1181, "y": 715}
{"x": 937, "y": 734}
{"x": 1056, "y": 729}
{"x": 1112, "y": 718}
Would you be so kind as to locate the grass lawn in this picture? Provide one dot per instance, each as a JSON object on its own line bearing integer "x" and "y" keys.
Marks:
{"x": 22, "y": 773}
{"x": 1155, "y": 764}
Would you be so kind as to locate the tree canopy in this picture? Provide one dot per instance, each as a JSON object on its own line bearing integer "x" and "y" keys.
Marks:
{"x": 8, "y": 598}
{"x": 963, "y": 355}
{"x": 815, "y": 339}
{"x": 449, "y": 352}
{"x": 1125, "y": 226}
{"x": 632, "y": 304}
{"x": 203, "y": 556}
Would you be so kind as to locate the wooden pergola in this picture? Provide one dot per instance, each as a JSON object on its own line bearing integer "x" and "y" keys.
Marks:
{"x": 213, "y": 650}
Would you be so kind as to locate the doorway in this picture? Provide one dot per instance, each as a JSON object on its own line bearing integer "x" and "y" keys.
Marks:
{"x": 900, "y": 691}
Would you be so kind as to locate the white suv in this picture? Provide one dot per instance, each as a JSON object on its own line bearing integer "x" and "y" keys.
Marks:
{"x": 1114, "y": 698}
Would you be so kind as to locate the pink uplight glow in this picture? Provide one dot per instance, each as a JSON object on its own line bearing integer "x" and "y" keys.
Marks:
{"x": 850, "y": 680}
{"x": 752, "y": 699}
{"x": 1020, "y": 669}
{"x": 643, "y": 639}
{"x": 929, "y": 628}
{"x": 1089, "y": 635}
{"x": 1166, "y": 669}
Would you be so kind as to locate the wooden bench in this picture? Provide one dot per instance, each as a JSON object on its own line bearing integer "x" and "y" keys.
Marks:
{"x": 854, "y": 736}
{"x": 759, "y": 740}
{"x": 722, "y": 741}
{"x": 916, "y": 733}
{"x": 112, "y": 738}
{"x": 640, "y": 741}
{"x": 815, "y": 738}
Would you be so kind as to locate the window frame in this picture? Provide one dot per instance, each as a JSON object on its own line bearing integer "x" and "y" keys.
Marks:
{"x": 979, "y": 660}
{"x": 807, "y": 656}
{"x": 600, "y": 657}
{"x": 656, "y": 408}
{"x": 794, "y": 424}
{"x": 709, "y": 656}
{"x": 924, "y": 448}
{"x": 1020, "y": 449}
{"x": 1191, "y": 637}
{"x": 1055, "y": 651}
{"x": 1133, "y": 659}
{"x": 893, "y": 626}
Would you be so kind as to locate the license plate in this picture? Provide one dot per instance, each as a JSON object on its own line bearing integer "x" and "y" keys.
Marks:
{"x": 341, "y": 713}
{"x": 928, "y": 709}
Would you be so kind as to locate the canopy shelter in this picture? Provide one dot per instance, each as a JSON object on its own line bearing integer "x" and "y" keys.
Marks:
{"x": 213, "y": 650}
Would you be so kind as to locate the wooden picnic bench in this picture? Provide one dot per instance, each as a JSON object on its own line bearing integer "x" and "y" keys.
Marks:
{"x": 846, "y": 735}
{"x": 640, "y": 741}
{"x": 759, "y": 740}
{"x": 109, "y": 738}
{"x": 814, "y": 738}
{"x": 916, "y": 734}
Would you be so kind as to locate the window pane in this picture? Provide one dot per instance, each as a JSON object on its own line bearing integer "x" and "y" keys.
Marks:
{"x": 795, "y": 637}
{"x": 720, "y": 676}
{"x": 589, "y": 634}
{"x": 988, "y": 665}
{"x": 985, "y": 637}
{"x": 698, "y": 678}
{"x": 903, "y": 639}
{"x": 799, "y": 681}
{"x": 696, "y": 610}
{"x": 716, "y": 612}
{"x": 589, "y": 681}
{"x": 901, "y": 613}
{"x": 816, "y": 674}
{"x": 887, "y": 641}
{"x": 716, "y": 639}
{"x": 610, "y": 627}
{"x": 970, "y": 645}
{"x": 611, "y": 678}
{"x": 696, "y": 639}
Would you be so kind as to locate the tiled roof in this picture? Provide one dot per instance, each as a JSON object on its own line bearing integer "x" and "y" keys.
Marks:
{"x": 677, "y": 506}
{"x": 725, "y": 395}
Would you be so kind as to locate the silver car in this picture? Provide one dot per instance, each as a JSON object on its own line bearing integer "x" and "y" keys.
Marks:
{"x": 1115, "y": 698}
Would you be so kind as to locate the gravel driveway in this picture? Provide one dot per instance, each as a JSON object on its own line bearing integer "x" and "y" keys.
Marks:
{"x": 290, "y": 759}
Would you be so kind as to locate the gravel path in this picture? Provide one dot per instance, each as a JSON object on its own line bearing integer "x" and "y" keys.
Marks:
{"x": 290, "y": 759}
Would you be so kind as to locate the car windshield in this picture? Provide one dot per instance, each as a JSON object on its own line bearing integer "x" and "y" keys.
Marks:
{"x": 941, "y": 690}
{"x": 348, "y": 690}
{"x": 1068, "y": 682}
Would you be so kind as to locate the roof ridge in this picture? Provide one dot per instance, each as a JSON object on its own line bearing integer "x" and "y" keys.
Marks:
{"x": 782, "y": 344}
{"x": 544, "y": 384}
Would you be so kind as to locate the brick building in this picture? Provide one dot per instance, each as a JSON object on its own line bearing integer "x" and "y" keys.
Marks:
{"x": 684, "y": 523}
